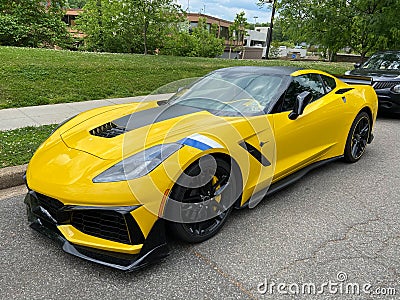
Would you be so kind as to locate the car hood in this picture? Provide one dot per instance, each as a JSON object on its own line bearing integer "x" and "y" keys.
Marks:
{"x": 377, "y": 75}
{"x": 115, "y": 134}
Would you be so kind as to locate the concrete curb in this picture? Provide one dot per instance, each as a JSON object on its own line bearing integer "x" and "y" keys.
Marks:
{"x": 12, "y": 176}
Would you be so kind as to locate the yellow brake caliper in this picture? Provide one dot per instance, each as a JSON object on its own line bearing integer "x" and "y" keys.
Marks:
{"x": 217, "y": 198}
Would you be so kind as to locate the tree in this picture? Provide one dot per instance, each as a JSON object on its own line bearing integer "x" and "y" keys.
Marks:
{"x": 364, "y": 25}
{"x": 278, "y": 34}
{"x": 76, "y": 3}
{"x": 202, "y": 41}
{"x": 209, "y": 45}
{"x": 374, "y": 26}
{"x": 237, "y": 30}
{"x": 127, "y": 26}
{"x": 96, "y": 23}
{"x": 318, "y": 23}
{"x": 32, "y": 23}
{"x": 180, "y": 43}
{"x": 154, "y": 16}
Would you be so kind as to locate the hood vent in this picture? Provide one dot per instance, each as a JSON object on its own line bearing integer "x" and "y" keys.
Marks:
{"x": 108, "y": 130}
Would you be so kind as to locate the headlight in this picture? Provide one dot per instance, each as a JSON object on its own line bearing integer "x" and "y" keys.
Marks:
{"x": 396, "y": 89}
{"x": 138, "y": 165}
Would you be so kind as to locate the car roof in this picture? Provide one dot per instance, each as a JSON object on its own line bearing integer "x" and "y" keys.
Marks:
{"x": 278, "y": 70}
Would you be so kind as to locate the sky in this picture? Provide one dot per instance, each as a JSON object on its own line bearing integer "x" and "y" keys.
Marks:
{"x": 227, "y": 9}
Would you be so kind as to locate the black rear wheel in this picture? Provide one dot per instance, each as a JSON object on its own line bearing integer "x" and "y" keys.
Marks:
{"x": 204, "y": 209}
{"x": 358, "y": 138}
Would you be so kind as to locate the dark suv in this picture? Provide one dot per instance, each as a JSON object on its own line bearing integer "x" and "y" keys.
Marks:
{"x": 384, "y": 69}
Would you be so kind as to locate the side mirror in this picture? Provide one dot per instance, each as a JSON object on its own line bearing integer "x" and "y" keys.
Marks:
{"x": 301, "y": 102}
{"x": 357, "y": 66}
{"x": 180, "y": 89}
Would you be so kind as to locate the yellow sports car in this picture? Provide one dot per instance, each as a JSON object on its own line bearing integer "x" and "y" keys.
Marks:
{"x": 112, "y": 183}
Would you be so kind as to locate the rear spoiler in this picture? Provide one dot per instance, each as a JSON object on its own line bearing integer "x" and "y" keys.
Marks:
{"x": 353, "y": 79}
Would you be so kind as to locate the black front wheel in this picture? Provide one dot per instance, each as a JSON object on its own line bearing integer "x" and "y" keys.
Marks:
{"x": 204, "y": 207}
{"x": 358, "y": 137}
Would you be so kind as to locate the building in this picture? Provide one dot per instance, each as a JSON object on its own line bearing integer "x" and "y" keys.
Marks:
{"x": 257, "y": 37}
{"x": 193, "y": 18}
{"x": 69, "y": 18}
{"x": 223, "y": 25}
{"x": 255, "y": 43}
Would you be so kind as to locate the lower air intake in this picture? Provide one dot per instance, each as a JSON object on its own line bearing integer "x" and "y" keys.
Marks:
{"x": 106, "y": 224}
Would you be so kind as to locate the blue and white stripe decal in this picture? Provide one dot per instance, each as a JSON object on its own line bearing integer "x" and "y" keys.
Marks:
{"x": 200, "y": 142}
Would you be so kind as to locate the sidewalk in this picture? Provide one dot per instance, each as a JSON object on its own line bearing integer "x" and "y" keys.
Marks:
{"x": 13, "y": 118}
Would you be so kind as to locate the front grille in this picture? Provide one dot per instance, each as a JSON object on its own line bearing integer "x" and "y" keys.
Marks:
{"x": 50, "y": 204}
{"x": 108, "y": 130}
{"x": 379, "y": 85}
{"x": 118, "y": 226}
{"x": 106, "y": 224}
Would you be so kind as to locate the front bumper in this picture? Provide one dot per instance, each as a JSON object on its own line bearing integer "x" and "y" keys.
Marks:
{"x": 49, "y": 220}
{"x": 388, "y": 102}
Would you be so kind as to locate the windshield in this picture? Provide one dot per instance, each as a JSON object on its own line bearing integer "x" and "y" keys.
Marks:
{"x": 244, "y": 93}
{"x": 383, "y": 61}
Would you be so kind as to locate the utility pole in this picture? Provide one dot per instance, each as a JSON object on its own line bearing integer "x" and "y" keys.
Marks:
{"x": 271, "y": 25}
{"x": 255, "y": 22}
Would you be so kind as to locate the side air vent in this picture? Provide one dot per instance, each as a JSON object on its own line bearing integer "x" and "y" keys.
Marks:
{"x": 255, "y": 153}
{"x": 108, "y": 130}
{"x": 342, "y": 91}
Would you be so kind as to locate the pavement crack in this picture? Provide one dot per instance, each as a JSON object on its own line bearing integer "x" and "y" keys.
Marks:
{"x": 324, "y": 244}
{"x": 227, "y": 276}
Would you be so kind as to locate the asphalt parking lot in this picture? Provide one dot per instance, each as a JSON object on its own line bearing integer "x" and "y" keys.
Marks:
{"x": 337, "y": 227}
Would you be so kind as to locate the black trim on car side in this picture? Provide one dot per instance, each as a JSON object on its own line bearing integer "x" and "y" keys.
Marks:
{"x": 283, "y": 183}
{"x": 344, "y": 90}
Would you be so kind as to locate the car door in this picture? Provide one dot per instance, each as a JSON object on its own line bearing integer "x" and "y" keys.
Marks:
{"x": 314, "y": 134}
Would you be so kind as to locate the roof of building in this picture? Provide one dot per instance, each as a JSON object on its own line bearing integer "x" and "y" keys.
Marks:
{"x": 73, "y": 11}
{"x": 196, "y": 16}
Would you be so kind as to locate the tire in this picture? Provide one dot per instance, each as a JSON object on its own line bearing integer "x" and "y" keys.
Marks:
{"x": 224, "y": 182}
{"x": 358, "y": 137}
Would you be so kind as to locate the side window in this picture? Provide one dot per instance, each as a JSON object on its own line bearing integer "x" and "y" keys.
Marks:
{"x": 293, "y": 90}
{"x": 329, "y": 82}
{"x": 310, "y": 83}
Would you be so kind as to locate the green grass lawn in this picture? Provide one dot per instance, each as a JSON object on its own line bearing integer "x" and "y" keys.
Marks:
{"x": 41, "y": 76}
{"x": 17, "y": 146}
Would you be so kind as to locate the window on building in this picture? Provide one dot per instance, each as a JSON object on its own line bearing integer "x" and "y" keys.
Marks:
{"x": 224, "y": 32}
